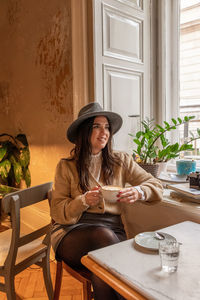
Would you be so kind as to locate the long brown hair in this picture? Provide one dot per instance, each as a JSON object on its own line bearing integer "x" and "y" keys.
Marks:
{"x": 82, "y": 154}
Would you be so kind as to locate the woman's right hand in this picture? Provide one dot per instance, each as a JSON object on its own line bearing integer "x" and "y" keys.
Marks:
{"x": 93, "y": 197}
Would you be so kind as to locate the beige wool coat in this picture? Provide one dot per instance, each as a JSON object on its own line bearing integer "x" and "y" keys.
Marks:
{"x": 68, "y": 202}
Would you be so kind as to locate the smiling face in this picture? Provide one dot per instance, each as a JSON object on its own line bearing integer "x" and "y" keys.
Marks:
{"x": 100, "y": 134}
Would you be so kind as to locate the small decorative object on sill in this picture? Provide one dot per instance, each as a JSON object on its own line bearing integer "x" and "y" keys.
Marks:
{"x": 185, "y": 167}
{"x": 152, "y": 146}
{"x": 194, "y": 180}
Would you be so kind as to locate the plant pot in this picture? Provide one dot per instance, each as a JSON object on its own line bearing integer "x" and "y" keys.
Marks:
{"x": 162, "y": 167}
{"x": 152, "y": 169}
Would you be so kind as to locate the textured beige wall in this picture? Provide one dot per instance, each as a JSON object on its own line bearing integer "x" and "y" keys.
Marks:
{"x": 36, "y": 88}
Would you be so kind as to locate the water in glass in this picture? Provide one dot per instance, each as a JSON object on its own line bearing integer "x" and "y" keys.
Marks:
{"x": 169, "y": 254}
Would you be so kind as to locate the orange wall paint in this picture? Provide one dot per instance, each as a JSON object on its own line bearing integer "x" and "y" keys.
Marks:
{"x": 36, "y": 88}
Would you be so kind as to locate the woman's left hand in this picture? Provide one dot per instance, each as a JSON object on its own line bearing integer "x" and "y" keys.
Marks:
{"x": 129, "y": 195}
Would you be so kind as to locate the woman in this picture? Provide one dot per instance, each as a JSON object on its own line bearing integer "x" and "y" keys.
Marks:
{"x": 84, "y": 221}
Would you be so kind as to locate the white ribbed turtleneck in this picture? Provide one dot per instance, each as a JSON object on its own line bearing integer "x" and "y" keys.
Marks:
{"x": 95, "y": 165}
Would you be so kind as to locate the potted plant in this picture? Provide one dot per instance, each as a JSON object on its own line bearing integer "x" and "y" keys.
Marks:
{"x": 152, "y": 146}
{"x": 14, "y": 160}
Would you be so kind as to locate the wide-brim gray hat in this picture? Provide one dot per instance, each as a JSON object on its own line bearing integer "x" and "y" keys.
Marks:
{"x": 92, "y": 110}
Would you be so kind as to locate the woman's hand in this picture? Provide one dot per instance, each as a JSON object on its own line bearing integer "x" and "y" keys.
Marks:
{"x": 93, "y": 197}
{"x": 129, "y": 195}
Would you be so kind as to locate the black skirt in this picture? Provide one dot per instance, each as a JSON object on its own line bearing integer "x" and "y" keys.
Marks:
{"x": 110, "y": 221}
{"x": 107, "y": 220}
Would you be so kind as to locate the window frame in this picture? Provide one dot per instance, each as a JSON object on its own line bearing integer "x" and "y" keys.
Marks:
{"x": 169, "y": 68}
{"x": 168, "y": 61}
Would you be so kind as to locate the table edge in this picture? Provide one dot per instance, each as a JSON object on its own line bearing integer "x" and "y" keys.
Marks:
{"x": 123, "y": 288}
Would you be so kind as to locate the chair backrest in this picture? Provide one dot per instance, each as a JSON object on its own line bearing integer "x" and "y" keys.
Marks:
{"x": 49, "y": 196}
{"x": 12, "y": 203}
{"x": 28, "y": 196}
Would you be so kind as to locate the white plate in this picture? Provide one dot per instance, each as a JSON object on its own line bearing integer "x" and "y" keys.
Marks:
{"x": 172, "y": 177}
{"x": 148, "y": 240}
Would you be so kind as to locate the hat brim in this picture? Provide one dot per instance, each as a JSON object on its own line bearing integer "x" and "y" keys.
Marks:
{"x": 114, "y": 119}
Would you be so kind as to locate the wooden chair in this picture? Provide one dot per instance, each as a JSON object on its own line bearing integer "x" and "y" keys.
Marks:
{"x": 82, "y": 275}
{"x": 17, "y": 251}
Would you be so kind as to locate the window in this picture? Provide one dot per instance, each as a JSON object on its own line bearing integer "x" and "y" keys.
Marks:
{"x": 178, "y": 69}
{"x": 190, "y": 69}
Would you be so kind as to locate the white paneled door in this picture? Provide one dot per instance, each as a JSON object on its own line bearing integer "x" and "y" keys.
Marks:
{"x": 122, "y": 62}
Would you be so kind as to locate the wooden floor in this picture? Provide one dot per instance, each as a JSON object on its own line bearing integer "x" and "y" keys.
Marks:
{"x": 29, "y": 285}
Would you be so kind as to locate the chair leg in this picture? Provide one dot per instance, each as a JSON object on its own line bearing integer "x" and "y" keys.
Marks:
{"x": 58, "y": 281}
{"x": 87, "y": 293}
{"x": 10, "y": 287}
{"x": 47, "y": 277}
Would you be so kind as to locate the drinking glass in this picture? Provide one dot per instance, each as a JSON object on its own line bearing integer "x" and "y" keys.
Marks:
{"x": 169, "y": 254}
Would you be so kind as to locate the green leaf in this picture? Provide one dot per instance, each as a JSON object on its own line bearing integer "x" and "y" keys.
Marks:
{"x": 186, "y": 147}
{"x": 5, "y": 168}
{"x": 138, "y": 134}
{"x": 167, "y": 125}
{"x": 160, "y": 128}
{"x": 137, "y": 141}
{"x": 171, "y": 155}
{"x": 174, "y": 147}
{"x": 174, "y": 121}
{"x": 188, "y": 118}
{"x": 17, "y": 172}
{"x": 142, "y": 141}
{"x": 24, "y": 157}
{"x": 191, "y": 117}
{"x": 162, "y": 153}
{"x": 164, "y": 141}
{"x": 5, "y": 189}
{"x": 147, "y": 136}
{"x": 12, "y": 160}
{"x": 180, "y": 121}
{"x": 139, "y": 150}
{"x": 27, "y": 177}
{"x": 3, "y": 151}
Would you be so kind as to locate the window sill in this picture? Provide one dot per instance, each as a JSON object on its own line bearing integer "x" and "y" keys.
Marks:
{"x": 186, "y": 206}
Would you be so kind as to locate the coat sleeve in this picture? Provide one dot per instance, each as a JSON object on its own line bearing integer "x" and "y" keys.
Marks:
{"x": 64, "y": 208}
{"x": 137, "y": 176}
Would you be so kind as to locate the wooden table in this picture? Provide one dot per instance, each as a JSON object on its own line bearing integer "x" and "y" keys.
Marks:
{"x": 124, "y": 289}
{"x": 136, "y": 273}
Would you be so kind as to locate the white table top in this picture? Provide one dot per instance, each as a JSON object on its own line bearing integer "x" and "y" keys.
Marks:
{"x": 141, "y": 269}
